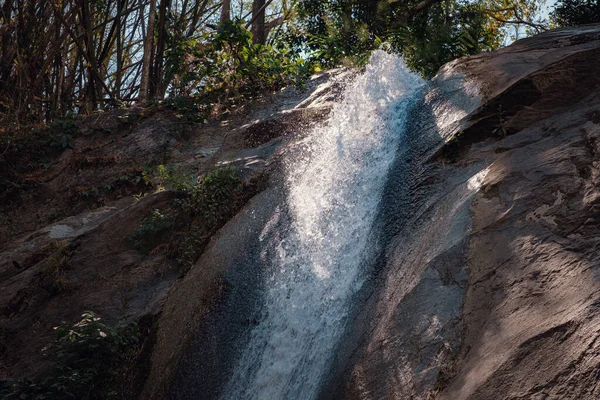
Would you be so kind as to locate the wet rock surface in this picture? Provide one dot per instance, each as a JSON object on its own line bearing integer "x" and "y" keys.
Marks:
{"x": 523, "y": 319}
{"x": 485, "y": 285}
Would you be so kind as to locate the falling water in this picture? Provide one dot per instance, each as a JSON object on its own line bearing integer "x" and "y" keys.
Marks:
{"x": 334, "y": 188}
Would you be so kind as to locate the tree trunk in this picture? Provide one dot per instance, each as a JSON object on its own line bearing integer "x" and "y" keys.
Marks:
{"x": 258, "y": 24}
{"x": 225, "y": 12}
{"x": 148, "y": 49}
{"x": 156, "y": 83}
{"x": 8, "y": 54}
{"x": 92, "y": 91}
{"x": 119, "y": 72}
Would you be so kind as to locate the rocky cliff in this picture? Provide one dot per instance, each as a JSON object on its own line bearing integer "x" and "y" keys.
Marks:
{"x": 491, "y": 290}
{"x": 67, "y": 228}
{"x": 486, "y": 285}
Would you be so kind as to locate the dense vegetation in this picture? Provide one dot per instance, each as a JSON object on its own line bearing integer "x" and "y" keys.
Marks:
{"x": 86, "y": 359}
{"x": 428, "y": 33}
{"x": 200, "y": 208}
{"x": 91, "y": 55}
{"x": 576, "y": 12}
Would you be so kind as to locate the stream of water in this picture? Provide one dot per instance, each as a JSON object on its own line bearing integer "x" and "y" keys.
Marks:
{"x": 334, "y": 184}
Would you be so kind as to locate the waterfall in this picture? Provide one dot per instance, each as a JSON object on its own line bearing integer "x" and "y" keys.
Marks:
{"x": 334, "y": 183}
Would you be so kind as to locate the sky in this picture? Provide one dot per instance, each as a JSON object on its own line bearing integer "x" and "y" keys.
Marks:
{"x": 519, "y": 32}
{"x": 549, "y": 6}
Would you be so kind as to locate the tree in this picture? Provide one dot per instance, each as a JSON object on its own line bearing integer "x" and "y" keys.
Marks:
{"x": 576, "y": 12}
{"x": 258, "y": 22}
{"x": 225, "y": 12}
{"x": 148, "y": 50}
{"x": 157, "y": 86}
{"x": 428, "y": 32}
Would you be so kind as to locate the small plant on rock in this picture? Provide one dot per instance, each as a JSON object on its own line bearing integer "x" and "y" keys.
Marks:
{"x": 85, "y": 357}
{"x": 500, "y": 128}
{"x": 148, "y": 234}
{"x": 209, "y": 204}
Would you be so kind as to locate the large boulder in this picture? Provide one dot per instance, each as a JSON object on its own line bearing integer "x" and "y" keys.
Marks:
{"x": 490, "y": 290}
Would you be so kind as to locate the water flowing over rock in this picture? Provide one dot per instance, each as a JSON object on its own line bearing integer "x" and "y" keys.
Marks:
{"x": 462, "y": 277}
{"x": 315, "y": 260}
{"x": 402, "y": 240}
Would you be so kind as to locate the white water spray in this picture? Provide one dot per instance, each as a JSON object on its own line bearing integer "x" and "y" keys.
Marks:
{"x": 334, "y": 190}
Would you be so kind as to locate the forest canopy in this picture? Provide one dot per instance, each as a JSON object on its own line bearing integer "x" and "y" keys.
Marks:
{"x": 72, "y": 57}
{"x": 576, "y": 12}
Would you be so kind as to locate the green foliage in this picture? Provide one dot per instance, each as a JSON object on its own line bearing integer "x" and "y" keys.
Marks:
{"x": 62, "y": 132}
{"x": 176, "y": 178}
{"x": 344, "y": 32}
{"x": 85, "y": 357}
{"x": 200, "y": 208}
{"x": 431, "y": 40}
{"x": 62, "y": 141}
{"x": 576, "y": 12}
{"x": 148, "y": 234}
{"x": 336, "y": 32}
{"x": 224, "y": 64}
{"x": 190, "y": 108}
{"x": 209, "y": 204}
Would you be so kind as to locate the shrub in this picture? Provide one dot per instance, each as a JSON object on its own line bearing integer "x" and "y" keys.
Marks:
{"x": 85, "y": 357}
{"x": 209, "y": 204}
{"x": 200, "y": 208}
{"x": 226, "y": 64}
{"x": 576, "y": 12}
{"x": 148, "y": 234}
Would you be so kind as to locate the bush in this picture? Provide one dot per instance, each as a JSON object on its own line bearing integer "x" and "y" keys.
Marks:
{"x": 200, "y": 208}
{"x": 85, "y": 357}
{"x": 210, "y": 204}
{"x": 148, "y": 234}
{"x": 225, "y": 65}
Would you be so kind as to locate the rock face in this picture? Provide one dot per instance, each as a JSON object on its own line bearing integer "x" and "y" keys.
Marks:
{"x": 487, "y": 285}
{"x": 65, "y": 244}
{"x": 531, "y": 310}
{"x": 491, "y": 291}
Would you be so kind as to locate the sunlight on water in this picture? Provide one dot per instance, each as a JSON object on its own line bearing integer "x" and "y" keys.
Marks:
{"x": 461, "y": 95}
{"x": 334, "y": 183}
